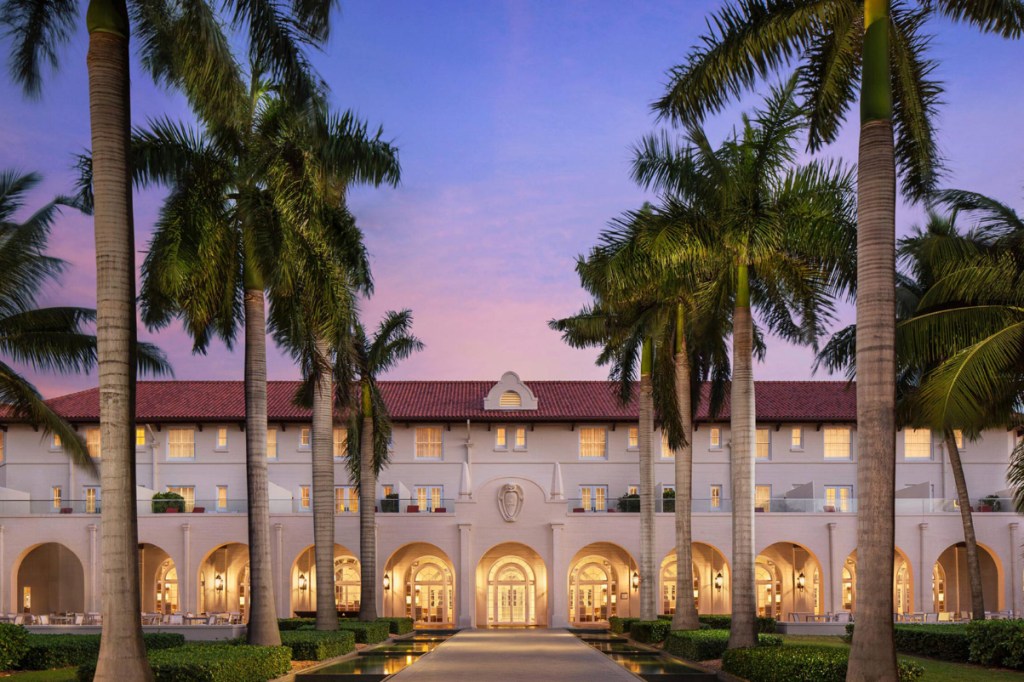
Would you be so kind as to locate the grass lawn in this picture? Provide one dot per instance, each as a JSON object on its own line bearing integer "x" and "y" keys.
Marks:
{"x": 934, "y": 670}
{"x": 59, "y": 675}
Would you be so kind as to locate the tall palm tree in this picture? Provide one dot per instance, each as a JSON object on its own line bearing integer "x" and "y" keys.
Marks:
{"x": 777, "y": 236}
{"x": 835, "y": 43}
{"x": 183, "y": 46}
{"x": 369, "y": 429}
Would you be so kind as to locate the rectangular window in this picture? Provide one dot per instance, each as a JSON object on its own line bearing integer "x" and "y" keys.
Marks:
{"x": 594, "y": 497}
{"x": 763, "y": 446}
{"x": 958, "y": 437}
{"x": 304, "y": 497}
{"x": 346, "y": 499}
{"x": 917, "y": 444}
{"x": 428, "y": 442}
{"x": 593, "y": 442}
{"x": 520, "y": 443}
{"x": 304, "y": 438}
{"x": 340, "y": 442}
{"x": 633, "y": 490}
{"x": 716, "y": 496}
{"x": 140, "y": 436}
{"x": 222, "y": 438}
{"x": 796, "y": 438}
{"x": 633, "y": 438}
{"x": 55, "y": 443}
{"x": 222, "y": 498}
{"x": 762, "y": 497}
{"x": 666, "y": 451}
{"x": 500, "y": 438}
{"x": 3, "y": 446}
{"x": 186, "y": 491}
{"x": 92, "y": 442}
{"x": 716, "y": 438}
{"x": 181, "y": 443}
{"x": 837, "y": 442}
{"x": 387, "y": 489}
{"x": 271, "y": 443}
{"x": 56, "y": 496}
{"x": 838, "y": 497}
{"x": 430, "y": 497}
{"x": 91, "y": 497}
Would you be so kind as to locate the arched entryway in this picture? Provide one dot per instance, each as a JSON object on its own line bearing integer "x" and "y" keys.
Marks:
{"x": 51, "y": 580}
{"x": 599, "y": 583}
{"x": 902, "y": 583}
{"x": 158, "y": 580}
{"x": 511, "y": 587}
{"x": 224, "y": 581}
{"x": 789, "y": 580}
{"x": 302, "y": 585}
{"x": 419, "y": 583}
{"x": 710, "y": 580}
{"x": 951, "y": 584}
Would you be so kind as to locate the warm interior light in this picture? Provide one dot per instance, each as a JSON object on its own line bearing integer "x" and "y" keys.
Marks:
{"x": 302, "y": 581}
{"x": 719, "y": 581}
{"x": 408, "y": 599}
{"x": 387, "y": 582}
{"x": 636, "y": 580}
{"x": 218, "y": 582}
{"x": 801, "y": 581}
{"x": 696, "y": 594}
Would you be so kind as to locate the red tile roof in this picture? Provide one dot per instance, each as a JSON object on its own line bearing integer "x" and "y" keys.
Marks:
{"x": 421, "y": 401}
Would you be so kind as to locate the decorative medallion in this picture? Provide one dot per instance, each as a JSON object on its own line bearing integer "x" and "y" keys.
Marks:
{"x": 510, "y": 501}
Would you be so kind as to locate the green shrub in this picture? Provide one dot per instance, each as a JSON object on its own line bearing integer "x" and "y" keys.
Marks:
{"x": 649, "y": 631}
{"x": 948, "y": 642}
{"x": 705, "y": 645}
{"x": 284, "y": 624}
{"x": 318, "y": 645}
{"x": 398, "y": 626}
{"x": 164, "y": 501}
{"x": 212, "y": 663}
{"x": 629, "y": 503}
{"x": 45, "y": 652}
{"x": 367, "y": 633}
{"x": 997, "y": 642}
{"x": 620, "y": 625}
{"x": 799, "y": 664}
{"x": 13, "y": 645}
{"x": 668, "y": 500}
{"x": 724, "y": 622}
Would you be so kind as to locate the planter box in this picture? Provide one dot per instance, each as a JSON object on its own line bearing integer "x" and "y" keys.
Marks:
{"x": 171, "y": 510}
{"x": 198, "y": 510}
{"x": 577, "y": 510}
{"x": 412, "y": 509}
{"x": 440, "y": 510}
{"x": 389, "y": 506}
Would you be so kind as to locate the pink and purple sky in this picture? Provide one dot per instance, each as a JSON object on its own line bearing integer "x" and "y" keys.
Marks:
{"x": 514, "y": 121}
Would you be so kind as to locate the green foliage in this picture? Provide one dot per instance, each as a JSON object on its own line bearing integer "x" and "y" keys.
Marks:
{"x": 389, "y": 505}
{"x": 45, "y": 652}
{"x": 629, "y": 503}
{"x": 724, "y": 622}
{"x": 13, "y": 645}
{"x": 317, "y": 645}
{"x": 988, "y": 642}
{"x": 668, "y": 500}
{"x": 948, "y": 642}
{"x": 799, "y": 664}
{"x": 397, "y": 625}
{"x": 997, "y": 642}
{"x": 285, "y": 624}
{"x": 621, "y": 625}
{"x": 705, "y": 645}
{"x": 649, "y": 631}
{"x": 212, "y": 663}
{"x": 164, "y": 501}
{"x": 367, "y": 633}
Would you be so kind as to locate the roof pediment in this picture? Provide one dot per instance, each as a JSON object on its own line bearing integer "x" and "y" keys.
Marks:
{"x": 510, "y": 393}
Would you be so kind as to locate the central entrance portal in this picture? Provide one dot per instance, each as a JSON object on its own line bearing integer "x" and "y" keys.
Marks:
{"x": 511, "y": 591}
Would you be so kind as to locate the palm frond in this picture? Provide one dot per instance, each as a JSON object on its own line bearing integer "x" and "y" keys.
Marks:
{"x": 36, "y": 29}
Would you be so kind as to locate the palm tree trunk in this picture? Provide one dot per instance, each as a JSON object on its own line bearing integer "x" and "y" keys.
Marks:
{"x": 970, "y": 540}
{"x": 367, "y": 515}
{"x": 873, "y": 652}
{"x": 122, "y": 654}
{"x": 323, "y": 488}
{"x": 743, "y": 425}
{"x": 262, "y": 629}
{"x": 648, "y": 574}
{"x": 685, "y": 617}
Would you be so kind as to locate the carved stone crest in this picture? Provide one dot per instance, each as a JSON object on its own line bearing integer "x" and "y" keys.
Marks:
{"x": 510, "y": 501}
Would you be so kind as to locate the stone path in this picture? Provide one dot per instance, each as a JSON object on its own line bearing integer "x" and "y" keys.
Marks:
{"x": 515, "y": 656}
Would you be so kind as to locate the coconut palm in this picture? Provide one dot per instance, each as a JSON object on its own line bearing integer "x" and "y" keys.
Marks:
{"x": 369, "y": 428}
{"x": 776, "y": 236}
{"x": 836, "y": 43}
{"x": 182, "y": 46}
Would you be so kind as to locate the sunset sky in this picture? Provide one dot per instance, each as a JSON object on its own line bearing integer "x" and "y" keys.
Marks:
{"x": 514, "y": 122}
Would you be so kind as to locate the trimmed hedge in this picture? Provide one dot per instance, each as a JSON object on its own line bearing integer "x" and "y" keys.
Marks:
{"x": 286, "y": 624}
{"x": 799, "y": 664}
{"x": 987, "y": 642}
{"x": 367, "y": 632}
{"x": 398, "y": 626}
{"x": 997, "y": 642}
{"x": 317, "y": 645}
{"x": 621, "y": 625}
{"x": 708, "y": 644}
{"x": 13, "y": 645}
{"x": 724, "y": 622}
{"x": 212, "y": 663}
{"x": 45, "y": 652}
{"x": 649, "y": 631}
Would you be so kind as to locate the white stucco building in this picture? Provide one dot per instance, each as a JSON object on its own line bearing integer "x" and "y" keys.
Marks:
{"x": 508, "y": 507}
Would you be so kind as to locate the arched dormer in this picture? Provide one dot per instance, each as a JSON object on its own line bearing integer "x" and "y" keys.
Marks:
{"x": 510, "y": 393}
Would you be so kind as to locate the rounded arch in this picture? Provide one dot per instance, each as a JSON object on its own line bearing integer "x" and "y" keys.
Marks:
{"x": 790, "y": 580}
{"x": 902, "y": 582}
{"x": 600, "y": 583}
{"x": 224, "y": 581}
{"x": 50, "y": 579}
{"x": 951, "y": 584}
{"x": 511, "y": 581}
{"x": 158, "y": 580}
{"x": 303, "y": 576}
{"x": 711, "y": 580}
{"x": 419, "y": 583}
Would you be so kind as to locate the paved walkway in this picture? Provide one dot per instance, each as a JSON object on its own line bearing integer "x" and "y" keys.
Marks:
{"x": 515, "y": 656}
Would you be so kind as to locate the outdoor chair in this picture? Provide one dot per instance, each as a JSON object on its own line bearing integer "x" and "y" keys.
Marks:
{"x": 212, "y": 620}
{"x": 19, "y": 619}
{"x": 44, "y": 619}
{"x": 945, "y": 617}
{"x": 931, "y": 618}
{"x": 175, "y": 619}
{"x": 79, "y": 619}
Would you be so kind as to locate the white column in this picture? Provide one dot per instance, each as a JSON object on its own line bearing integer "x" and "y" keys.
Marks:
{"x": 1014, "y": 572}
{"x": 156, "y": 465}
{"x": 833, "y": 577}
{"x": 93, "y": 568}
{"x": 466, "y": 578}
{"x": 185, "y": 573}
{"x": 283, "y": 589}
{"x": 923, "y": 576}
{"x": 558, "y": 598}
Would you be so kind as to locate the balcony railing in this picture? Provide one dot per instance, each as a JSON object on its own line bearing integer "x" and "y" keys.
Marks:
{"x": 416, "y": 506}
{"x": 782, "y": 505}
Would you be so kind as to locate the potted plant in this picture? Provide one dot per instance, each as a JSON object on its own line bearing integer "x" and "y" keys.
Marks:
{"x": 630, "y": 502}
{"x": 668, "y": 500}
{"x": 168, "y": 503}
{"x": 389, "y": 505}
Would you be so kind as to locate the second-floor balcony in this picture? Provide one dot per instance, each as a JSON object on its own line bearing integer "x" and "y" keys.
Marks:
{"x": 781, "y": 505}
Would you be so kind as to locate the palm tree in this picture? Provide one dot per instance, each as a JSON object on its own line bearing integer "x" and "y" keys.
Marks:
{"x": 836, "y": 43}
{"x": 776, "y": 236}
{"x": 181, "y": 46}
{"x": 369, "y": 430}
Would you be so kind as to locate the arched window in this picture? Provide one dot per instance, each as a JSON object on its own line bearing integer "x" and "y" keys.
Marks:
{"x": 510, "y": 399}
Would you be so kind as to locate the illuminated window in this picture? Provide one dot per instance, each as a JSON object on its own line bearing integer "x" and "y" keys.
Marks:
{"x": 837, "y": 442}
{"x": 140, "y": 436}
{"x": 430, "y": 497}
{"x": 593, "y": 442}
{"x": 222, "y": 498}
{"x": 633, "y": 490}
{"x": 222, "y": 438}
{"x": 55, "y": 493}
{"x": 346, "y": 499}
{"x": 428, "y": 442}
{"x": 91, "y": 496}
{"x": 762, "y": 497}
{"x": 510, "y": 399}
{"x": 763, "y": 444}
{"x": 92, "y": 442}
{"x": 55, "y": 443}
{"x": 304, "y": 497}
{"x": 796, "y": 438}
{"x": 594, "y": 497}
{"x": 340, "y": 442}
{"x": 666, "y": 451}
{"x": 958, "y": 437}
{"x": 271, "y": 443}
{"x": 500, "y": 438}
{"x": 716, "y": 438}
{"x": 520, "y": 443}
{"x": 633, "y": 439}
{"x": 387, "y": 489}
{"x": 181, "y": 443}
{"x": 917, "y": 443}
{"x": 838, "y": 497}
{"x": 186, "y": 491}
{"x": 716, "y": 496}
{"x": 304, "y": 438}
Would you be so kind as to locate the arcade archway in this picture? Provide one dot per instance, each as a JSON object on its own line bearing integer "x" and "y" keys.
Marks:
{"x": 302, "y": 586}
{"x": 419, "y": 583}
{"x": 511, "y": 586}
{"x": 224, "y": 581}
{"x": 710, "y": 580}
{"x": 51, "y": 580}
{"x": 599, "y": 583}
